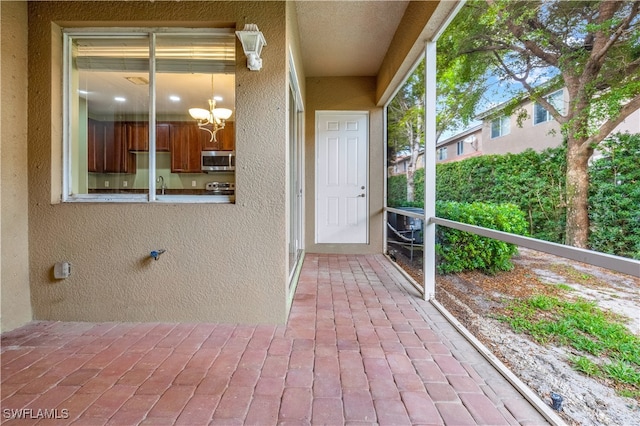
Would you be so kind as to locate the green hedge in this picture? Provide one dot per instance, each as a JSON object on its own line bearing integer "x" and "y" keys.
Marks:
{"x": 459, "y": 251}
{"x": 614, "y": 197}
{"x": 534, "y": 181}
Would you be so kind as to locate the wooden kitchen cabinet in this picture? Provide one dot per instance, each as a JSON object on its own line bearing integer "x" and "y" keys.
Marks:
{"x": 162, "y": 136}
{"x": 95, "y": 146}
{"x": 117, "y": 158}
{"x": 185, "y": 147}
{"x": 107, "y": 150}
{"x": 138, "y": 136}
{"x": 226, "y": 139}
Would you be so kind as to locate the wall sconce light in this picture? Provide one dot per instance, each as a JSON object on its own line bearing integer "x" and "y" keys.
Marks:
{"x": 252, "y": 43}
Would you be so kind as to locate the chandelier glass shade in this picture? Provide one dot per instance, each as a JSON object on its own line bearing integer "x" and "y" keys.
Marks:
{"x": 213, "y": 117}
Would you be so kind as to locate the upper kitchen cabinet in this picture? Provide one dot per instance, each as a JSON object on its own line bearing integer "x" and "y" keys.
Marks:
{"x": 107, "y": 148}
{"x": 138, "y": 136}
{"x": 95, "y": 146}
{"x": 163, "y": 136}
{"x": 185, "y": 147}
{"x": 225, "y": 139}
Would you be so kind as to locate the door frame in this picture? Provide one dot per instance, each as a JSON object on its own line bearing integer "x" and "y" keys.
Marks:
{"x": 318, "y": 114}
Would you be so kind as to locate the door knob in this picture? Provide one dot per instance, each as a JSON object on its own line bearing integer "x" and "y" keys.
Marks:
{"x": 362, "y": 195}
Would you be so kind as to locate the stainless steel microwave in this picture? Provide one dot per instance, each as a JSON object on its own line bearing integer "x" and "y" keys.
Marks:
{"x": 216, "y": 161}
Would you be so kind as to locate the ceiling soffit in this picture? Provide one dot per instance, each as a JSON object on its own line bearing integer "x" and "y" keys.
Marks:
{"x": 346, "y": 38}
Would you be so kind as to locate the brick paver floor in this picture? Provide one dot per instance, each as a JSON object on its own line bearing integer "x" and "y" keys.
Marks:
{"x": 360, "y": 347}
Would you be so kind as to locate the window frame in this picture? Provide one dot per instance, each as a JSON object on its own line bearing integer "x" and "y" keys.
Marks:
{"x": 547, "y": 115}
{"x": 442, "y": 153}
{"x": 150, "y": 197}
{"x": 503, "y": 130}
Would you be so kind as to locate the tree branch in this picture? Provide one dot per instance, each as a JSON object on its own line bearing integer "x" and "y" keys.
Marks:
{"x": 609, "y": 125}
{"x": 601, "y": 43}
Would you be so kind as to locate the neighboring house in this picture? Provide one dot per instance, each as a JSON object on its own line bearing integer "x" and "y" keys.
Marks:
{"x": 81, "y": 186}
{"x": 400, "y": 165}
{"x": 455, "y": 148}
{"x": 460, "y": 146}
{"x": 539, "y": 131}
{"x": 502, "y": 134}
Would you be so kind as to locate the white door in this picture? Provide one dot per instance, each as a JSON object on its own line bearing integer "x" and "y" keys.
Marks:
{"x": 341, "y": 177}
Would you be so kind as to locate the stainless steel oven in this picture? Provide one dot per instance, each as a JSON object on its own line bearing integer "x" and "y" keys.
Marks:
{"x": 215, "y": 161}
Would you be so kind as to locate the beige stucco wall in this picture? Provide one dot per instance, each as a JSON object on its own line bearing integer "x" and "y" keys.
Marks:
{"x": 631, "y": 124}
{"x": 537, "y": 137}
{"x": 14, "y": 277}
{"x": 345, "y": 94}
{"x": 293, "y": 44}
{"x": 223, "y": 262}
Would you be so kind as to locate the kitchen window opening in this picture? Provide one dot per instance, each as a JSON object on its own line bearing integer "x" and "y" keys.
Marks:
{"x": 143, "y": 108}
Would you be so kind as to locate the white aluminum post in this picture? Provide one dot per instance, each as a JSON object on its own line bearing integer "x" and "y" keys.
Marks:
{"x": 429, "y": 237}
{"x": 152, "y": 118}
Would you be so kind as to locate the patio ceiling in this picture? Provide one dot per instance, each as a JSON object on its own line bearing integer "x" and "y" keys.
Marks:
{"x": 346, "y": 38}
{"x": 352, "y": 38}
{"x": 370, "y": 38}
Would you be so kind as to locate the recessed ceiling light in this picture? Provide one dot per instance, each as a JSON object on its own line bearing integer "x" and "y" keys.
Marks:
{"x": 174, "y": 98}
{"x": 119, "y": 99}
{"x": 217, "y": 98}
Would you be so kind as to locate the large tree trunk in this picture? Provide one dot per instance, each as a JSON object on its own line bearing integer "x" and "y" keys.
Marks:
{"x": 577, "y": 187}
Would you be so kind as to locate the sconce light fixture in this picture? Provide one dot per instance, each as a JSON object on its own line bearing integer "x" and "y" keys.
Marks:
{"x": 252, "y": 41}
{"x": 214, "y": 116}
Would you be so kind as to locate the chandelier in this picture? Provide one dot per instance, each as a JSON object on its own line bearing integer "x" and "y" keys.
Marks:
{"x": 214, "y": 116}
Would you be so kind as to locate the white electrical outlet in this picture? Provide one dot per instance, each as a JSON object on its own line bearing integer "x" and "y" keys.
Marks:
{"x": 193, "y": 183}
{"x": 61, "y": 270}
{"x": 106, "y": 183}
{"x": 125, "y": 184}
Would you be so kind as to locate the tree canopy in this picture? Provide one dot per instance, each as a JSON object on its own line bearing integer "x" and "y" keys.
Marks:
{"x": 592, "y": 48}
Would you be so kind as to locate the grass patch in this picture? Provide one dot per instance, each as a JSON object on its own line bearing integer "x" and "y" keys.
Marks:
{"x": 575, "y": 275}
{"x": 589, "y": 331}
{"x": 564, "y": 287}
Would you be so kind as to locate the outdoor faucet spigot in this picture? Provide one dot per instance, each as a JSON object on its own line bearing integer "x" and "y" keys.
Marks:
{"x": 155, "y": 254}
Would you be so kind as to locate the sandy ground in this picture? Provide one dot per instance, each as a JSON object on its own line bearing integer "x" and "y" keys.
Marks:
{"x": 474, "y": 297}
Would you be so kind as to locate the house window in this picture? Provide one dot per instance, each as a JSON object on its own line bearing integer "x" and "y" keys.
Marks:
{"x": 442, "y": 153}
{"x": 500, "y": 127}
{"x": 541, "y": 115}
{"x": 460, "y": 149}
{"x": 129, "y": 135}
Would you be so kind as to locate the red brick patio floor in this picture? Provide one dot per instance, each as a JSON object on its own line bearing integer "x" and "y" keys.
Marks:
{"x": 360, "y": 347}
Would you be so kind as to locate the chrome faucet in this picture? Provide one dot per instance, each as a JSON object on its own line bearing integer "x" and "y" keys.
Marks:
{"x": 160, "y": 180}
